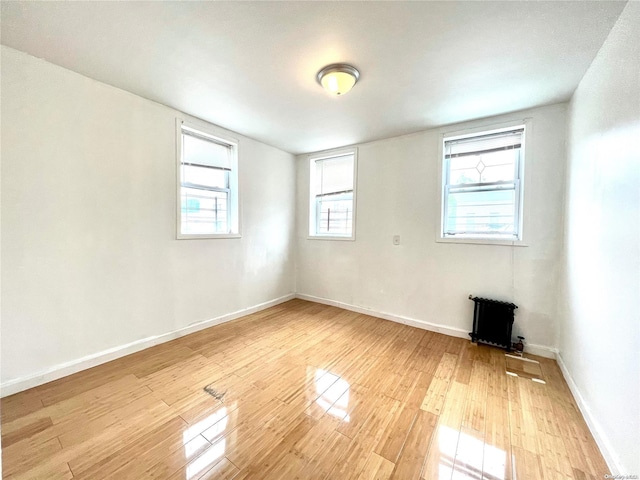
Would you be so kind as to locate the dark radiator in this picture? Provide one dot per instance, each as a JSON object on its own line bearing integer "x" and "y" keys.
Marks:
{"x": 492, "y": 322}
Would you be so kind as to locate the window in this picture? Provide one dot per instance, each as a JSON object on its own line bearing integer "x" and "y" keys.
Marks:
{"x": 207, "y": 184}
{"x": 482, "y": 185}
{"x": 332, "y": 195}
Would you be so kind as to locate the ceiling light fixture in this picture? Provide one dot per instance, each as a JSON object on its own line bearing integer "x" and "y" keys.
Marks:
{"x": 338, "y": 78}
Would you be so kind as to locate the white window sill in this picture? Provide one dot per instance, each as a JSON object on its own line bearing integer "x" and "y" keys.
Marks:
{"x": 482, "y": 241}
{"x": 331, "y": 237}
{"x": 183, "y": 236}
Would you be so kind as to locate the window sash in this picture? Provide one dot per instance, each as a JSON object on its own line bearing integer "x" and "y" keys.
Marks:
{"x": 332, "y": 194}
{"x": 503, "y": 187}
{"x": 207, "y": 202}
{"x": 516, "y": 174}
{"x": 496, "y": 142}
{"x": 209, "y": 220}
{"x": 325, "y": 225}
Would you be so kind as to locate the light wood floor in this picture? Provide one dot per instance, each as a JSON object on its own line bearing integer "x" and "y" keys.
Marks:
{"x": 304, "y": 391}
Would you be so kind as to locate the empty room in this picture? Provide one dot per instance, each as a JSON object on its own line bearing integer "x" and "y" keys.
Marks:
{"x": 320, "y": 240}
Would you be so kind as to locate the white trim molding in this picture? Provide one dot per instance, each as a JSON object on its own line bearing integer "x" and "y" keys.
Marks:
{"x": 594, "y": 427}
{"x": 75, "y": 366}
{"x": 413, "y": 322}
{"x": 541, "y": 350}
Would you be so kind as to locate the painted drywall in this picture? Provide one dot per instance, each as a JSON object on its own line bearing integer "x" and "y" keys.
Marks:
{"x": 599, "y": 336}
{"x": 89, "y": 249}
{"x": 398, "y": 194}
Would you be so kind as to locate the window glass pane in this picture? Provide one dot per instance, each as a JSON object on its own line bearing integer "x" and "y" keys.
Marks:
{"x": 205, "y": 152}
{"x": 204, "y": 211}
{"x": 499, "y": 166}
{"x": 463, "y": 170}
{"x": 488, "y": 212}
{"x": 205, "y": 176}
{"x": 334, "y": 174}
{"x": 484, "y": 168}
{"x": 335, "y": 214}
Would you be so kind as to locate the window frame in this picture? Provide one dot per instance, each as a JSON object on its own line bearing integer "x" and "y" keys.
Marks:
{"x": 207, "y": 132}
{"x": 312, "y": 197}
{"x": 521, "y": 187}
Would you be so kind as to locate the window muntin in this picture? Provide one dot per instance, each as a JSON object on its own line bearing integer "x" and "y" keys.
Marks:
{"x": 208, "y": 195}
{"x": 482, "y": 190}
{"x": 332, "y": 199}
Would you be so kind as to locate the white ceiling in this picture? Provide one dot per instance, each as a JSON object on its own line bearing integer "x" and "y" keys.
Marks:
{"x": 251, "y": 66}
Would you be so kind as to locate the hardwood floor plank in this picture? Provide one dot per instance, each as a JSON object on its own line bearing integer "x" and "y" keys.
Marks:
{"x": 192, "y": 458}
{"x": 366, "y": 439}
{"x": 98, "y": 401}
{"x": 23, "y": 456}
{"x": 329, "y": 453}
{"x": 49, "y": 471}
{"x": 19, "y": 405}
{"x": 526, "y": 464}
{"x": 474, "y": 412}
{"x": 269, "y": 465}
{"x": 414, "y": 450}
{"x": 84, "y": 455}
{"x": 398, "y": 430}
{"x": 70, "y": 435}
{"x": 28, "y": 430}
{"x": 135, "y": 458}
{"x": 376, "y": 468}
{"x": 497, "y": 447}
{"x": 222, "y": 470}
{"x": 74, "y": 385}
{"x": 434, "y": 398}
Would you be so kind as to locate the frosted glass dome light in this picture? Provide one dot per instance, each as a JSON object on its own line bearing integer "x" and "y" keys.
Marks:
{"x": 338, "y": 78}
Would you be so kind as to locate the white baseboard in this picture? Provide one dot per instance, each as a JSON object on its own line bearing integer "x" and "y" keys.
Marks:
{"x": 541, "y": 350}
{"x": 433, "y": 327}
{"x": 594, "y": 426}
{"x": 74, "y": 366}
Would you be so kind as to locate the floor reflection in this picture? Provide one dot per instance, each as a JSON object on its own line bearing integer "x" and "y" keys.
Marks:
{"x": 213, "y": 427}
{"x": 463, "y": 456}
{"x": 333, "y": 394}
{"x": 524, "y": 368}
{"x": 208, "y": 458}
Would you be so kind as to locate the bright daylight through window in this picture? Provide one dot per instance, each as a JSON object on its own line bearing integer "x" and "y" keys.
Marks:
{"x": 482, "y": 185}
{"x": 332, "y": 195}
{"x": 208, "y": 185}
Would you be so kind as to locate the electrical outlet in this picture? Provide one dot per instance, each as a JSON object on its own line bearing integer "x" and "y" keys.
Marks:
{"x": 396, "y": 239}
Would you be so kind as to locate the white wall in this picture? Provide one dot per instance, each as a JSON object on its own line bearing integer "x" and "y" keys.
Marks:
{"x": 89, "y": 249}
{"x": 398, "y": 194}
{"x": 599, "y": 338}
